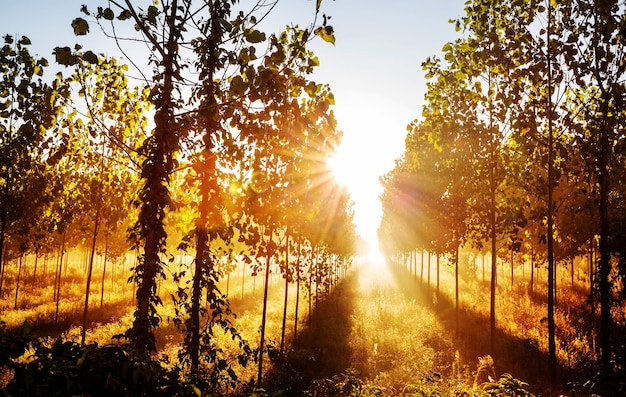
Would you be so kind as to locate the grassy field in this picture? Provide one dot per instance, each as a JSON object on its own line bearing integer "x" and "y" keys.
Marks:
{"x": 383, "y": 322}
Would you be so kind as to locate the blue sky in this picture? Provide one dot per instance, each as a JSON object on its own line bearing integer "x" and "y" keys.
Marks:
{"x": 374, "y": 70}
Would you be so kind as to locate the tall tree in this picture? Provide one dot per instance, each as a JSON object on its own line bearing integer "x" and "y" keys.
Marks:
{"x": 28, "y": 110}
{"x": 595, "y": 51}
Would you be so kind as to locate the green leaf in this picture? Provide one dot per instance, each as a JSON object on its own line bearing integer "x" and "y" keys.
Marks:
{"x": 80, "y": 26}
{"x": 90, "y": 57}
{"x": 254, "y": 36}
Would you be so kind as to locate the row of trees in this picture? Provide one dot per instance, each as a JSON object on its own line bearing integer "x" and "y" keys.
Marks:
{"x": 521, "y": 147}
{"x": 224, "y": 145}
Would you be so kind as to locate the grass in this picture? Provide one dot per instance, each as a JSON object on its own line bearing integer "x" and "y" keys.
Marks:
{"x": 389, "y": 327}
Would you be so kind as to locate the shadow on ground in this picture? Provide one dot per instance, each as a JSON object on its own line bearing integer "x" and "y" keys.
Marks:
{"x": 322, "y": 348}
{"x": 519, "y": 357}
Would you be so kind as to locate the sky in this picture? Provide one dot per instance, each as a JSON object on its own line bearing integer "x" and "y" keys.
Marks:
{"x": 374, "y": 71}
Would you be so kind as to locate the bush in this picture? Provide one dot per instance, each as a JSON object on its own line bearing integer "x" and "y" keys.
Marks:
{"x": 34, "y": 367}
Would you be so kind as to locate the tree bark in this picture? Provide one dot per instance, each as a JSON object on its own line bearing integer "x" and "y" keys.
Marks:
{"x": 156, "y": 170}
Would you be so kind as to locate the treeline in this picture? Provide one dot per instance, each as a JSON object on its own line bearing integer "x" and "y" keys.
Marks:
{"x": 219, "y": 150}
{"x": 520, "y": 148}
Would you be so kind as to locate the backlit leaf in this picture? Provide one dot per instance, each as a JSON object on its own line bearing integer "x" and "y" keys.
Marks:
{"x": 90, "y": 57}
{"x": 80, "y": 26}
{"x": 108, "y": 14}
{"x": 327, "y": 33}
{"x": 238, "y": 86}
{"x": 124, "y": 15}
{"x": 254, "y": 36}
{"x": 64, "y": 56}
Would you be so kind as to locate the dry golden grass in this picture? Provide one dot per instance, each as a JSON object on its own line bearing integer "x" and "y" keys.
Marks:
{"x": 391, "y": 326}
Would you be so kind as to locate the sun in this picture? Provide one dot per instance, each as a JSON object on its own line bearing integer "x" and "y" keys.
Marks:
{"x": 361, "y": 181}
{"x": 373, "y": 138}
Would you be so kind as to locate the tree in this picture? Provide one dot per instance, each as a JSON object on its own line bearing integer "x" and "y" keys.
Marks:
{"x": 594, "y": 50}
{"x": 215, "y": 129}
{"x": 28, "y": 111}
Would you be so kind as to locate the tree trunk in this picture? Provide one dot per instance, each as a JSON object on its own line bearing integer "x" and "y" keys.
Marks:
{"x": 532, "y": 272}
{"x": 494, "y": 270}
{"x": 263, "y": 319}
{"x": 456, "y": 288}
{"x": 193, "y": 347}
{"x": 3, "y": 264}
{"x": 4, "y": 215}
{"x": 512, "y": 267}
{"x": 96, "y": 225}
{"x": 592, "y": 303}
{"x": 57, "y": 280}
{"x": 428, "y": 284}
{"x": 422, "y": 267}
{"x": 35, "y": 266}
{"x": 437, "y": 278}
{"x": 104, "y": 268}
{"x": 156, "y": 170}
{"x": 282, "y": 334}
{"x": 17, "y": 284}
{"x": 551, "y": 264}
{"x": 295, "y": 322}
{"x": 604, "y": 265}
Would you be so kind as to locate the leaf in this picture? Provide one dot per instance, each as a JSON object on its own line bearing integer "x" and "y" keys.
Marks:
{"x": 254, "y": 36}
{"x": 108, "y": 14}
{"x": 226, "y": 25}
{"x": 80, "y": 26}
{"x": 124, "y": 15}
{"x": 64, "y": 56}
{"x": 90, "y": 57}
{"x": 326, "y": 33}
{"x": 238, "y": 86}
{"x": 447, "y": 47}
{"x": 152, "y": 14}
